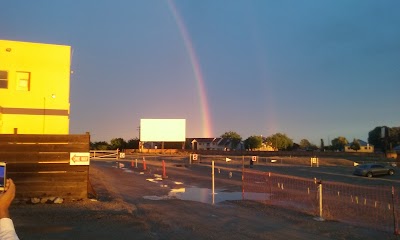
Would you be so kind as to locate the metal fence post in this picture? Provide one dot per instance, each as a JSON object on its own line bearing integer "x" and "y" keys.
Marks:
{"x": 320, "y": 218}
{"x": 213, "y": 184}
{"x": 396, "y": 231}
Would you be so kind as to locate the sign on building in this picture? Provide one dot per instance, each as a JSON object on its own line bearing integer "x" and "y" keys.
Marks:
{"x": 79, "y": 158}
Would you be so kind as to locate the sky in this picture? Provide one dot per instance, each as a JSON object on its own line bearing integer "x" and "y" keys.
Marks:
{"x": 312, "y": 69}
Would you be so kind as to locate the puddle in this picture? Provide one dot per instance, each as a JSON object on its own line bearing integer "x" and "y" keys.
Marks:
{"x": 204, "y": 195}
{"x": 157, "y": 178}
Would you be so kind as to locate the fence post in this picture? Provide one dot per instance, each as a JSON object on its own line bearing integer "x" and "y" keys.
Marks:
{"x": 164, "y": 175}
{"x": 320, "y": 199}
{"x": 270, "y": 185}
{"x": 320, "y": 218}
{"x": 396, "y": 231}
{"x": 213, "y": 178}
{"x": 242, "y": 168}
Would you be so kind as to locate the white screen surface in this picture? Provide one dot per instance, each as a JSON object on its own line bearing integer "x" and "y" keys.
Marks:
{"x": 162, "y": 130}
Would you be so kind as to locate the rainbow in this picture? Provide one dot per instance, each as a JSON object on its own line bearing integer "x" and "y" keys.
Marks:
{"x": 206, "y": 118}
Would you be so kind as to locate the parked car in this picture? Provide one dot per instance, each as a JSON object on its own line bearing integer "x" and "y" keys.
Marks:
{"x": 373, "y": 169}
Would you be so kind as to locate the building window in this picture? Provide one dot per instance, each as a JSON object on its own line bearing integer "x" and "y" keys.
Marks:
{"x": 3, "y": 79}
{"x": 23, "y": 81}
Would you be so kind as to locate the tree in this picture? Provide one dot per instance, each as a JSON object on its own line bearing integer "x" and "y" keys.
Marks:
{"x": 118, "y": 143}
{"x": 313, "y": 147}
{"x": 374, "y": 138}
{"x": 355, "y": 145}
{"x": 253, "y": 142}
{"x": 280, "y": 141}
{"x": 102, "y": 145}
{"x": 391, "y": 138}
{"x": 394, "y": 136}
{"x": 234, "y": 138}
{"x": 322, "y": 145}
{"x": 133, "y": 143}
{"x": 305, "y": 144}
{"x": 339, "y": 143}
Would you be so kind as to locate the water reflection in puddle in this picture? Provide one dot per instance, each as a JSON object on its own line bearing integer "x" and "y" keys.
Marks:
{"x": 204, "y": 195}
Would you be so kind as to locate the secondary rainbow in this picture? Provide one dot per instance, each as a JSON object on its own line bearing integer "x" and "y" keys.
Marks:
{"x": 206, "y": 118}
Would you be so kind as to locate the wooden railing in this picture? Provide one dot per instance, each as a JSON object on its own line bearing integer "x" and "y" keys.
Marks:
{"x": 104, "y": 154}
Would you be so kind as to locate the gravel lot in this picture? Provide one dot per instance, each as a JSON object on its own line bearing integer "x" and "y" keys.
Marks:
{"x": 121, "y": 211}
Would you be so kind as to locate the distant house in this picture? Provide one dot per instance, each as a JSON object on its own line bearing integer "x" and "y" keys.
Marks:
{"x": 266, "y": 146}
{"x": 219, "y": 144}
{"x": 206, "y": 143}
{"x": 364, "y": 147}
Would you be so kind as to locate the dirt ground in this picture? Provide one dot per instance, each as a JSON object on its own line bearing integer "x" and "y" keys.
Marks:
{"x": 121, "y": 212}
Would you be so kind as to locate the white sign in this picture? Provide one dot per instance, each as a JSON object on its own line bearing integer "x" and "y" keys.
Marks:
{"x": 79, "y": 158}
{"x": 314, "y": 160}
{"x": 254, "y": 158}
{"x": 194, "y": 157}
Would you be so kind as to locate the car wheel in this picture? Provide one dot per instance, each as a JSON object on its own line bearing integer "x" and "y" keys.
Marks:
{"x": 391, "y": 172}
{"x": 369, "y": 174}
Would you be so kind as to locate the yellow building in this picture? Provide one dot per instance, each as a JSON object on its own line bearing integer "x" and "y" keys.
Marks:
{"x": 34, "y": 88}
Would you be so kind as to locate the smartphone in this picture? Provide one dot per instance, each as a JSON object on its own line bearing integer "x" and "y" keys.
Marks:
{"x": 2, "y": 176}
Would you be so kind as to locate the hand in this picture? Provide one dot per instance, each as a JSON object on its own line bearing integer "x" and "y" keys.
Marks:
{"x": 6, "y": 198}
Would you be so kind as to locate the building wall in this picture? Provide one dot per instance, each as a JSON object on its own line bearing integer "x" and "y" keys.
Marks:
{"x": 34, "y": 98}
{"x": 204, "y": 146}
{"x": 210, "y": 146}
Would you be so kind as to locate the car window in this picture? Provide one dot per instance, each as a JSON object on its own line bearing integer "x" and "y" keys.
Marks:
{"x": 377, "y": 166}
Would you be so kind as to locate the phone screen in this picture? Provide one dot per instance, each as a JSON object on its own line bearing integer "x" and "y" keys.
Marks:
{"x": 2, "y": 176}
